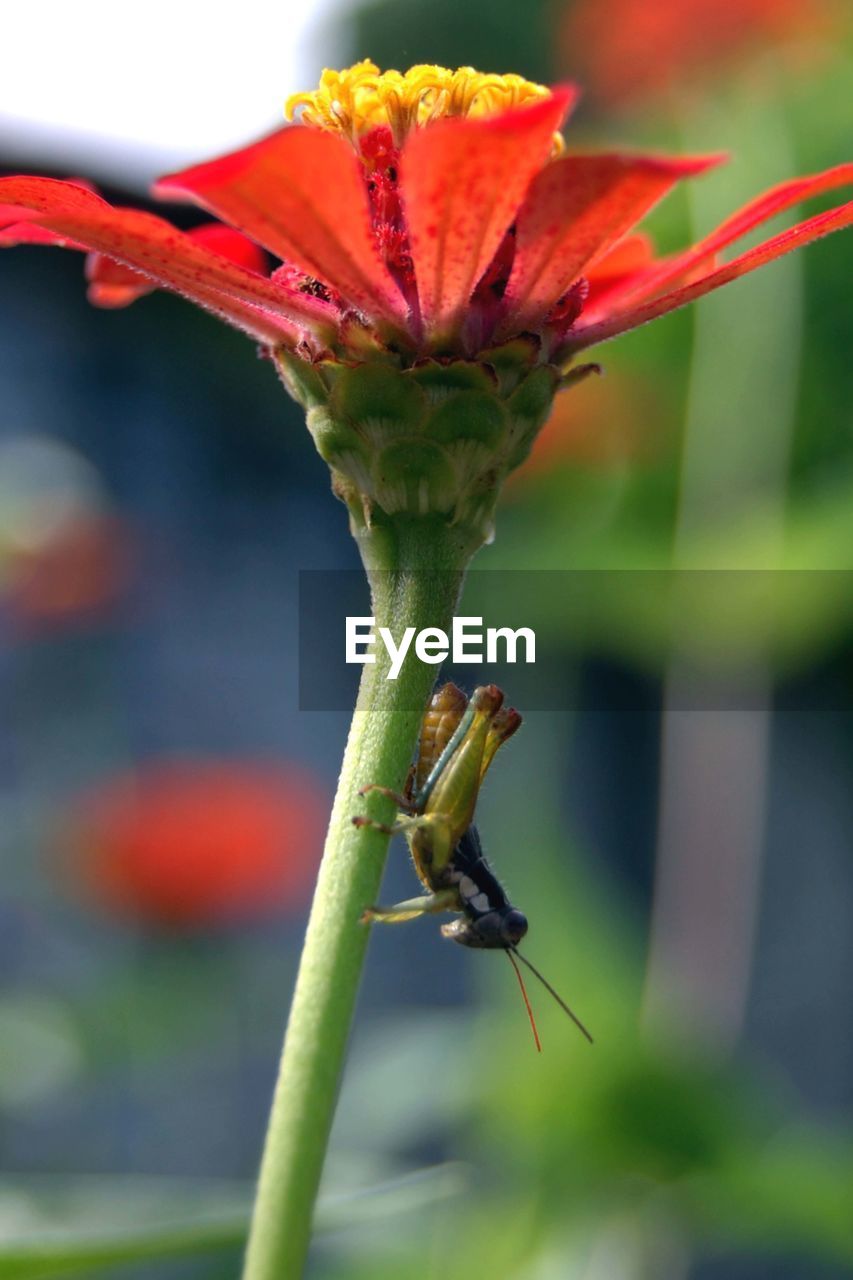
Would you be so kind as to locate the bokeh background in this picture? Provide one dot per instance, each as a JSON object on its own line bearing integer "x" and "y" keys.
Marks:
{"x": 688, "y": 873}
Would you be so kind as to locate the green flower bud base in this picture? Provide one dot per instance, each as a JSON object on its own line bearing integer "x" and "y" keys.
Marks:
{"x": 436, "y": 438}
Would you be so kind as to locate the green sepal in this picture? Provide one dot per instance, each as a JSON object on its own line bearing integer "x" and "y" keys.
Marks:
{"x": 335, "y": 439}
{"x": 510, "y": 361}
{"x": 529, "y": 407}
{"x": 378, "y": 401}
{"x": 301, "y": 379}
{"x": 469, "y": 416}
{"x": 442, "y": 380}
{"x": 416, "y": 476}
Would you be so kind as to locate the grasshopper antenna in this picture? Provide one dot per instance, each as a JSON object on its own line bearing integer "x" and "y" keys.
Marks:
{"x": 513, "y": 951}
{"x": 526, "y": 1001}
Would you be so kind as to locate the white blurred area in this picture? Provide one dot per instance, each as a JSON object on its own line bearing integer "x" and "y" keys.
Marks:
{"x": 123, "y": 93}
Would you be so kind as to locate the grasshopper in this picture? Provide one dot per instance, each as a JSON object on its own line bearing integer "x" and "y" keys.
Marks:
{"x": 458, "y": 741}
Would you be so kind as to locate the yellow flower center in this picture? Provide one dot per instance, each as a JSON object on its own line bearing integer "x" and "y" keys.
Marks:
{"x": 353, "y": 101}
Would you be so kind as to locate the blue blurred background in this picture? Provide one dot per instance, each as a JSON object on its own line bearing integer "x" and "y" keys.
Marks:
{"x": 688, "y": 874}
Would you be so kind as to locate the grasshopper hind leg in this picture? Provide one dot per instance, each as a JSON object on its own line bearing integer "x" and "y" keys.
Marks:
{"x": 412, "y": 908}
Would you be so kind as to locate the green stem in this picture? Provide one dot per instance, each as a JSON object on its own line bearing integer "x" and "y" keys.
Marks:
{"x": 415, "y": 567}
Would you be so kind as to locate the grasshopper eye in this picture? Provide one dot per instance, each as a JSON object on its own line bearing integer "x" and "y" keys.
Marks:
{"x": 514, "y": 926}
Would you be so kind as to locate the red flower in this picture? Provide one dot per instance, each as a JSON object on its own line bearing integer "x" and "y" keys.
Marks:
{"x": 628, "y": 49}
{"x": 187, "y": 843}
{"x": 425, "y": 214}
{"x": 68, "y": 575}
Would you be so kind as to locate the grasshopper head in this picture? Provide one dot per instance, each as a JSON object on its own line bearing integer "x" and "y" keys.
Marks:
{"x": 496, "y": 930}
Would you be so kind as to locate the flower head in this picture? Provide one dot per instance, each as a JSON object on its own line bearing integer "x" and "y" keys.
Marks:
{"x": 441, "y": 262}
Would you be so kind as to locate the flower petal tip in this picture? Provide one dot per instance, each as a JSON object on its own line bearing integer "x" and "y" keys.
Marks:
{"x": 568, "y": 94}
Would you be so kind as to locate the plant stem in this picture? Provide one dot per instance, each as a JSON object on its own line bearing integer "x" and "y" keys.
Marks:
{"x": 415, "y": 567}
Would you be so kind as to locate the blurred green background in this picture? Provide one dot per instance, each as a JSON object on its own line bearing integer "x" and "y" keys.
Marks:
{"x": 687, "y": 873}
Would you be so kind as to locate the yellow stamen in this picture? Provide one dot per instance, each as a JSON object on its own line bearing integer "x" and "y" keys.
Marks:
{"x": 353, "y": 101}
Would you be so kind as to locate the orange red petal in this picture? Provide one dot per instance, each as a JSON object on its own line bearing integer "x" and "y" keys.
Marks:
{"x": 462, "y": 182}
{"x": 625, "y": 258}
{"x": 577, "y": 208}
{"x": 111, "y": 284}
{"x": 623, "y": 319}
{"x": 613, "y": 270}
{"x": 160, "y": 251}
{"x": 681, "y": 268}
{"x": 300, "y": 193}
{"x": 31, "y": 233}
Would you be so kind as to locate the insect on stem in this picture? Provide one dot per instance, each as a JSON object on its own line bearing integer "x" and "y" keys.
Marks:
{"x": 527, "y": 1006}
{"x": 459, "y": 739}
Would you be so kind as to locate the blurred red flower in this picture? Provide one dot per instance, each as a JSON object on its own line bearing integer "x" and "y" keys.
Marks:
{"x": 72, "y": 575}
{"x": 630, "y": 49}
{"x": 192, "y": 843}
{"x": 618, "y": 418}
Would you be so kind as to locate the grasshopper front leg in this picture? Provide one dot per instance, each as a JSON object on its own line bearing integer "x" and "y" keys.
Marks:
{"x": 403, "y": 824}
{"x": 402, "y": 802}
{"x": 359, "y": 821}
